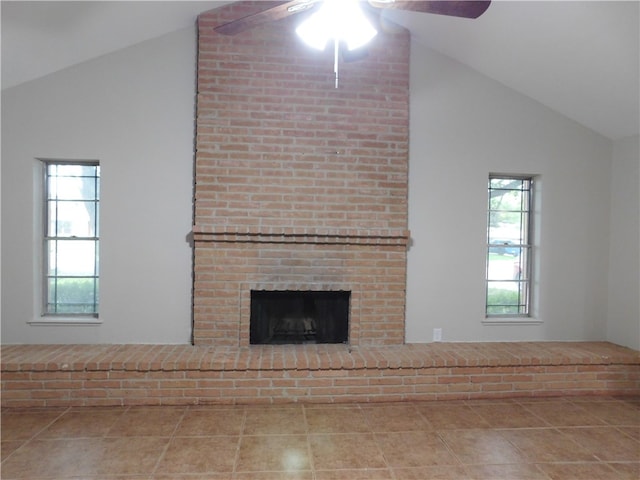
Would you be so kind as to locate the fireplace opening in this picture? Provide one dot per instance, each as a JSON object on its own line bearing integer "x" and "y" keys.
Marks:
{"x": 297, "y": 317}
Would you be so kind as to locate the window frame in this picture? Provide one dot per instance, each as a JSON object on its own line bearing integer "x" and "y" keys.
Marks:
{"x": 524, "y": 285}
{"x": 53, "y": 317}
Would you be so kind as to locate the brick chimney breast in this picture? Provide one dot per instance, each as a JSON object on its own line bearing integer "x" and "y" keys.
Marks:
{"x": 298, "y": 185}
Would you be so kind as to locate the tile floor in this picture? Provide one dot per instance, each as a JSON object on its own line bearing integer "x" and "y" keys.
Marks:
{"x": 588, "y": 438}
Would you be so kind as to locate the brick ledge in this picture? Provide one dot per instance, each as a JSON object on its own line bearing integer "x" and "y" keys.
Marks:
{"x": 206, "y": 233}
{"x": 108, "y": 375}
{"x": 21, "y": 358}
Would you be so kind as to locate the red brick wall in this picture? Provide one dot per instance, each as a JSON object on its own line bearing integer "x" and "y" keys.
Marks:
{"x": 299, "y": 184}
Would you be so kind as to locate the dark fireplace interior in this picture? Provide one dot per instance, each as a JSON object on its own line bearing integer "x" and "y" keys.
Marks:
{"x": 297, "y": 317}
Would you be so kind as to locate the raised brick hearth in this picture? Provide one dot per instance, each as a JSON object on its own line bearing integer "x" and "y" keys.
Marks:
{"x": 299, "y": 185}
{"x": 93, "y": 375}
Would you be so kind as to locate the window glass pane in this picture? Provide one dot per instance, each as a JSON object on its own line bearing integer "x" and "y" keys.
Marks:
{"x": 506, "y": 183}
{"x": 83, "y": 188}
{"x": 75, "y": 258}
{"x": 75, "y": 170}
{"x": 96, "y": 222}
{"x": 503, "y": 263}
{"x": 521, "y": 265}
{"x": 502, "y": 299}
{"x": 72, "y": 295}
{"x": 67, "y": 218}
{"x": 72, "y": 182}
{"x": 52, "y": 220}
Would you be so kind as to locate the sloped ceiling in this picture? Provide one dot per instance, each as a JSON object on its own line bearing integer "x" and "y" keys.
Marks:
{"x": 579, "y": 58}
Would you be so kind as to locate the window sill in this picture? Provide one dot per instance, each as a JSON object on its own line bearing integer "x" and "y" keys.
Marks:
{"x": 490, "y": 321}
{"x": 65, "y": 321}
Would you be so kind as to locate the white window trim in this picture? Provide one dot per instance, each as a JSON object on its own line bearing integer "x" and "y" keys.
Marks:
{"x": 43, "y": 318}
{"x": 499, "y": 321}
{"x": 49, "y": 320}
{"x": 530, "y": 318}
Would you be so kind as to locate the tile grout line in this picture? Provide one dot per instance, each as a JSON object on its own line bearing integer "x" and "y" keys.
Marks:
{"x": 26, "y": 441}
{"x": 308, "y": 437}
{"x": 243, "y": 424}
{"x": 166, "y": 447}
{"x": 377, "y": 441}
{"x": 450, "y": 449}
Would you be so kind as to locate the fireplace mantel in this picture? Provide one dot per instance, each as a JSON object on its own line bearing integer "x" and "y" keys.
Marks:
{"x": 398, "y": 237}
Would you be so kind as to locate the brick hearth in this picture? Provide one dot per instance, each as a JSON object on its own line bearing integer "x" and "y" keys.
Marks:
{"x": 298, "y": 185}
{"x": 94, "y": 375}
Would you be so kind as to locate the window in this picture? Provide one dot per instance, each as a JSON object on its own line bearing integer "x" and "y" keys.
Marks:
{"x": 509, "y": 246}
{"x": 71, "y": 238}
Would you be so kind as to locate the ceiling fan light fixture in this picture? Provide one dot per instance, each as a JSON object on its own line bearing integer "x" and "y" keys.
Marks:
{"x": 340, "y": 20}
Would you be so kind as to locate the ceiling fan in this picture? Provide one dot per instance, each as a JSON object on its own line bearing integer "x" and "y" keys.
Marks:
{"x": 343, "y": 21}
{"x": 464, "y": 9}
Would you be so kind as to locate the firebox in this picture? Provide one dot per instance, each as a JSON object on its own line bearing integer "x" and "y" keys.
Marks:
{"x": 297, "y": 317}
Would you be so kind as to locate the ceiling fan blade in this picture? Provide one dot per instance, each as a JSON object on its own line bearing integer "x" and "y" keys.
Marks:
{"x": 465, "y": 9}
{"x": 277, "y": 11}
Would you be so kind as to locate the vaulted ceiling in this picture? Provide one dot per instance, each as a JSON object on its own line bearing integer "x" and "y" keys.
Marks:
{"x": 579, "y": 58}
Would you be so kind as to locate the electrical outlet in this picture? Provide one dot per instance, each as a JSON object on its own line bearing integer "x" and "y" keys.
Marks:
{"x": 437, "y": 334}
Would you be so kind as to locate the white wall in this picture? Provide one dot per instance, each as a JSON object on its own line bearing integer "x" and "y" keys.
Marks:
{"x": 133, "y": 110}
{"x": 623, "y": 319}
{"x": 463, "y": 127}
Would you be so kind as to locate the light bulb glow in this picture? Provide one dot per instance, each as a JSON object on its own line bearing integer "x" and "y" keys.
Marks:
{"x": 340, "y": 20}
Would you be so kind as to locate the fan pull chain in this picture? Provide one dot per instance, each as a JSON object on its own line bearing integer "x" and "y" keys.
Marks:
{"x": 335, "y": 58}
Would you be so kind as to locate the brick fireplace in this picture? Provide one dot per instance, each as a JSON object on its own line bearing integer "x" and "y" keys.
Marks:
{"x": 302, "y": 188}
{"x": 299, "y": 186}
